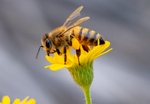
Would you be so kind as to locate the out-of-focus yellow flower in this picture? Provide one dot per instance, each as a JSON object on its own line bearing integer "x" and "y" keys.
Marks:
{"x": 85, "y": 57}
{"x": 6, "y": 100}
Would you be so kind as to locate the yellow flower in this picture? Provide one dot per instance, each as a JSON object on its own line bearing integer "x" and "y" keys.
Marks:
{"x": 85, "y": 57}
{"x": 82, "y": 74}
{"x": 6, "y": 100}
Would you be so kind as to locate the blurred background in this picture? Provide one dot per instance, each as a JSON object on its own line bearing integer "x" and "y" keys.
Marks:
{"x": 121, "y": 76}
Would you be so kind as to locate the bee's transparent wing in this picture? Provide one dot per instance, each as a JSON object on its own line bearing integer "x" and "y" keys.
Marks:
{"x": 73, "y": 17}
{"x": 77, "y": 23}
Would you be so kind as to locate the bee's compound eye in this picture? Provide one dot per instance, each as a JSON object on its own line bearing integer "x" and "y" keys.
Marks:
{"x": 48, "y": 43}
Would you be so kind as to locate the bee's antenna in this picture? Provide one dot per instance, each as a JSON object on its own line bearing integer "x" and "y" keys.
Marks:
{"x": 38, "y": 51}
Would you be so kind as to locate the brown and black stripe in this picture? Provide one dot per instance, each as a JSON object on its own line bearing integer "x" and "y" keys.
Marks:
{"x": 86, "y": 36}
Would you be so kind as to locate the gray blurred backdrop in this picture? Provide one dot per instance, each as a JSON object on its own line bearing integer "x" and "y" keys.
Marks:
{"x": 121, "y": 76}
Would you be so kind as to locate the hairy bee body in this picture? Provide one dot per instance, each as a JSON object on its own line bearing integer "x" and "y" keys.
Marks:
{"x": 86, "y": 36}
{"x": 70, "y": 34}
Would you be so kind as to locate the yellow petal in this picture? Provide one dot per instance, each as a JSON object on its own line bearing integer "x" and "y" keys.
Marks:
{"x": 5, "y": 100}
{"x": 25, "y": 100}
{"x": 56, "y": 67}
{"x": 97, "y": 50}
{"x": 102, "y": 53}
{"x": 31, "y": 101}
{"x": 70, "y": 57}
{"x": 47, "y": 66}
{"x": 58, "y": 59}
{"x": 103, "y": 47}
{"x": 17, "y": 101}
{"x": 83, "y": 58}
{"x": 50, "y": 59}
{"x": 75, "y": 59}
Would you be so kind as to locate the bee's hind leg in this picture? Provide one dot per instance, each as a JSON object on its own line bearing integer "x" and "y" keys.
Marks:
{"x": 78, "y": 53}
{"x": 86, "y": 48}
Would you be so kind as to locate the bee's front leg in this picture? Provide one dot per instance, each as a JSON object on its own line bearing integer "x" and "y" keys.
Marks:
{"x": 53, "y": 52}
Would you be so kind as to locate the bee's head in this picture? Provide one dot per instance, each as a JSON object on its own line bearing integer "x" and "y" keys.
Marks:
{"x": 46, "y": 45}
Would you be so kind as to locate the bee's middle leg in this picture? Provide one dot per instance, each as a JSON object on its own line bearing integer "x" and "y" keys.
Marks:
{"x": 58, "y": 51}
{"x": 65, "y": 56}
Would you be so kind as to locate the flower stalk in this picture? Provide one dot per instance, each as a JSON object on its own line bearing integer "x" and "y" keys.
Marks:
{"x": 87, "y": 95}
{"x": 83, "y": 76}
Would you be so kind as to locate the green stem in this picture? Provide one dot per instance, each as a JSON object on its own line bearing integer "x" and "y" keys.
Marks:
{"x": 86, "y": 91}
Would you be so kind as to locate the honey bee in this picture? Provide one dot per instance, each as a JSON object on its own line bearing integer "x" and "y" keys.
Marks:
{"x": 70, "y": 34}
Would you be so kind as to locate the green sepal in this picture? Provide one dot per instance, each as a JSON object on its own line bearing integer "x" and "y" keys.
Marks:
{"x": 82, "y": 74}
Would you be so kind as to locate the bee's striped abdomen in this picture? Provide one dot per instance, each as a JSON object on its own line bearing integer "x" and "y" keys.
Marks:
{"x": 87, "y": 37}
